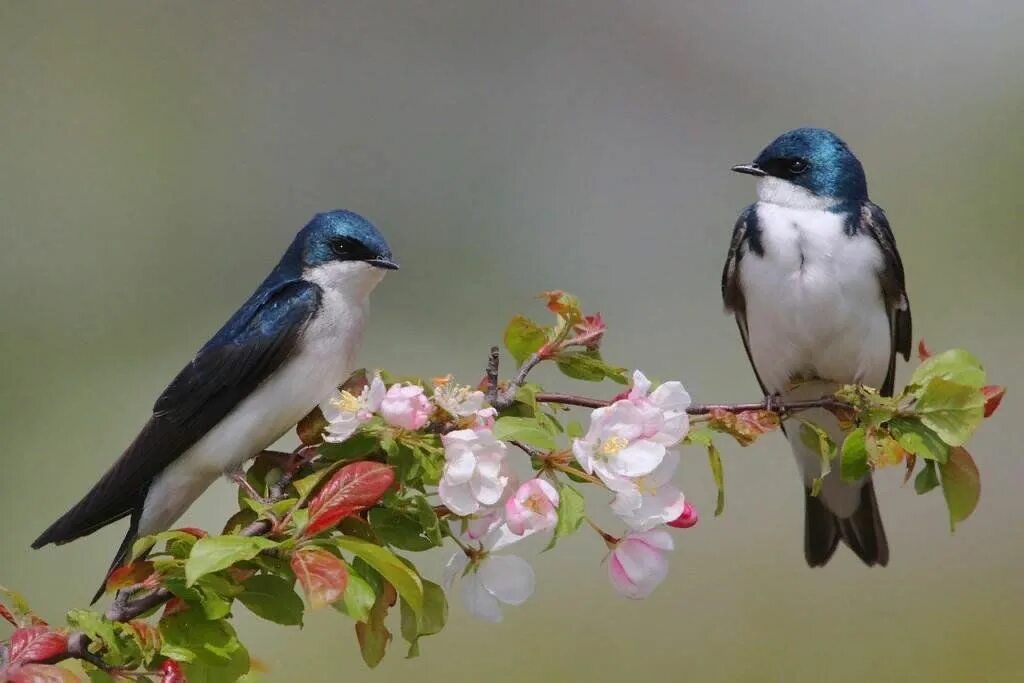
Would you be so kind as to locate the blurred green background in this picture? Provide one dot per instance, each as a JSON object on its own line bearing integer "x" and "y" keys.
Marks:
{"x": 158, "y": 157}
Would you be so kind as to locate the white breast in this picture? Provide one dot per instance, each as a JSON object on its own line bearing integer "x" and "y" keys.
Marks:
{"x": 324, "y": 357}
{"x": 813, "y": 301}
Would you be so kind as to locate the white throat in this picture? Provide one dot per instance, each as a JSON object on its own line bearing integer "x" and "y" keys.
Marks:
{"x": 353, "y": 280}
{"x": 784, "y": 193}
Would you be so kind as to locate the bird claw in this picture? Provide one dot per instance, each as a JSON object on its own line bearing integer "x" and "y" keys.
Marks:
{"x": 773, "y": 403}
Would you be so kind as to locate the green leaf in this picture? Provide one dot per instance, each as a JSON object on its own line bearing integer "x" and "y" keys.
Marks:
{"x": 572, "y": 510}
{"x": 373, "y": 635}
{"x": 404, "y": 530}
{"x": 406, "y": 581}
{"x": 213, "y": 553}
{"x": 358, "y": 599}
{"x": 951, "y": 410}
{"x": 955, "y": 365}
{"x": 525, "y": 429}
{"x": 853, "y": 463}
{"x": 211, "y": 594}
{"x": 961, "y": 485}
{"x": 273, "y": 599}
{"x": 120, "y": 647}
{"x": 915, "y": 438}
{"x": 209, "y": 650}
{"x": 431, "y": 621}
{"x": 588, "y": 365}
{"x": 355, "y": 447}
{"x": 815, "y": 438}
{"x": 574, "y": 430}
{"x": 926, "y": 479}
{"x": 718, "y": 473}
{"x": 523, "y": 338}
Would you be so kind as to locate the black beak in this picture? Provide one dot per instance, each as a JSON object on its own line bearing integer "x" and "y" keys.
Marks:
{"x": 750, "y": 169}
{"x": 383, "y": 262}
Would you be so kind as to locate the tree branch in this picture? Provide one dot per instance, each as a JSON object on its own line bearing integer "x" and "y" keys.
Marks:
{"x": 772, "y": 403}
{"x": 507, "y": 397}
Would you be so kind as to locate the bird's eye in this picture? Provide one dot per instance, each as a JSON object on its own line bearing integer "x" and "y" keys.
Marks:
{"x": 797, "y": 166}
{"x": 341, "y": 246}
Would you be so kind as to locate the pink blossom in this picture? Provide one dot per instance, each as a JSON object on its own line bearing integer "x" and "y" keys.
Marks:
{"x": 475, "y": 475}
{"x": 637, "y": 564}
{"x": 648, "y": 501}
{"x": 614, "y": 446}
{"x": 687, "y": 519}
{"x": 406, "y": 406}
{"x": 346, "y": 412}
{"x": 665, "y": 418}
{"x": 533, "y": 507}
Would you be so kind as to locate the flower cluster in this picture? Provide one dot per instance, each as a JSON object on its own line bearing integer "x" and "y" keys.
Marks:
{"x": 630, "y": 446}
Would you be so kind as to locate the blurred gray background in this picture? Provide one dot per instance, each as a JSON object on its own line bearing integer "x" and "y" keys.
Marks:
{"x": 158, "y": 157}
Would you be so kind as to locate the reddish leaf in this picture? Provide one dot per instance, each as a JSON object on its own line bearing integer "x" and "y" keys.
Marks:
{"x": 311, "y": 428}
{"x": 589, "y": 331}
{"x": 746, "y": 426}
{"x": 911, "y": 461}
{"x": 923, "y": 352}
{"x": 993, "y": 397}
{"x": 563, "y": 304}
{"x": 173, "y": 606}
{"x": 193, "y": 531}
{"x": 40, "y": 673}
{"x": 149, "y": 637}
{"x": 170, "y": 672}
{"x": 129, "y": 575}
{"x": 6, "y": 615}
{"x": 353, "y": 488}
{"x": 35, "y": 644}
{"x": 323, "y": 576}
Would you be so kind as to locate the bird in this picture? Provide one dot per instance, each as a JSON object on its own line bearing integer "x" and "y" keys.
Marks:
{"x": 816, "y": 285}
{"x": 283, "y": 351}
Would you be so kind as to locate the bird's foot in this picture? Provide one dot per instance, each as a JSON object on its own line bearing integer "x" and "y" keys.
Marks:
{"x": 773, "y": 403}
{"x": 237, "y": 475}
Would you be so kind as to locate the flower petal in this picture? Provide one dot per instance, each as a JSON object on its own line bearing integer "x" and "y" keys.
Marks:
{"x": 637, "y": 459}
{"x": 457, "y": 497}
{"x": 479, "y": 602}
{"x": 508, "y": 578}
{"x": 453, "y": 569}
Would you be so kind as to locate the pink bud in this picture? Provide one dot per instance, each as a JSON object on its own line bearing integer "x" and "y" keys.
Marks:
{"x": 686, "y": 520}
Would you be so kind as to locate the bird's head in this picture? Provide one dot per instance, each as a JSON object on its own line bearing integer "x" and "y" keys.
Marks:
{"x": 807, "y": 168}
{"x": 341, "y": 249}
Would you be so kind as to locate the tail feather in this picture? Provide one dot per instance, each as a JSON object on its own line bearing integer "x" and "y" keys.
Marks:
{"x": 862, "y": 531}
{"x": 123, "y": 552}
{"x": 821, "y": 531}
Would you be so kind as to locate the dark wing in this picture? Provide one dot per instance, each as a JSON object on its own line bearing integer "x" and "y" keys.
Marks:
{"x": 872, "y": 221}
{"x": 746, "y": 237}
{"x": 249, "y": 348}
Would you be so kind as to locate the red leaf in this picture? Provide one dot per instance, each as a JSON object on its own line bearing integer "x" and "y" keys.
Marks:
{"x": 129, "y": 575}
{"x": 923, "y": 352}
{"x": 745, "y": 426}
{"x": 6, "y": 615}
{"x": 353, "y": 488}
{"x": 191, "y": 530}
{"x": 323, "y": 576}
{"x": 35, "y": 644}
{"x": 589, "y": 331}
{"x": 993, "y": 397}
{"x": 41, "y": 673}
{"x": 170, "y": 672}
{"x": 173, "y": 606}
{"x": 149, "y": 637}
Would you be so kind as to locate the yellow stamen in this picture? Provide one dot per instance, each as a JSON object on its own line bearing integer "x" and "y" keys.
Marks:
{"x": 348, "y": 402}
{"x": 612, "y": 445}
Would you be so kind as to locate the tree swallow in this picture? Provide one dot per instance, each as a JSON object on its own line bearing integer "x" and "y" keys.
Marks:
{"x": 285, "y": 350}
{"x": 816, "y": 284}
